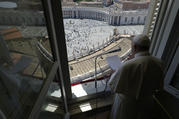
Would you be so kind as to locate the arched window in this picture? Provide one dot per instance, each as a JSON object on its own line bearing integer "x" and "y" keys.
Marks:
{"x": 138, "y": 19}
{"x": 132, "y": 20}
{"x": 144, "y": 19}
{"x": 125, "y": 19}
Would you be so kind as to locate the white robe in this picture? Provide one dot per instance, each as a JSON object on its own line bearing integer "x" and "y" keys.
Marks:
{"x": 135, "y": 82}
{"x": 123, "y": 108}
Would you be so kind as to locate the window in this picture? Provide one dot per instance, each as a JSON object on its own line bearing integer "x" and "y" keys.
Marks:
{"x": 171, "y": 78}
{"x": 125, "y": 19}
{"x": 26, "y": 60}
{"x": 144, "y": 18}
{"x": 89, "y": 32}
{"x": 132, "y": 20}
{"x": 170, "y": 56}
{"x": 138, "y": 19}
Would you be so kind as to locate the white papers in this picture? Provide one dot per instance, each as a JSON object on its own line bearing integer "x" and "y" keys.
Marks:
{"x": 114, "y": 62}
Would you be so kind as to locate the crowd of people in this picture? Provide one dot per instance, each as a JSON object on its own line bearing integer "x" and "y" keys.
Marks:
{"x": 84, "y": 36}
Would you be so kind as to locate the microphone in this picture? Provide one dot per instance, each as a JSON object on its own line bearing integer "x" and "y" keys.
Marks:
{"x": 112, "y": 51}
{"x": 95, "y": 74}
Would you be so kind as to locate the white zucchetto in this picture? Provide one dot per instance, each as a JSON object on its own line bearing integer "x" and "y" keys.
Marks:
{"x": 141, "y": 40}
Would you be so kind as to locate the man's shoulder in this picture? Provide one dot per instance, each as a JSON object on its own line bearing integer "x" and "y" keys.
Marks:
{"x": 141, "y": 60}
{"x": 129, "y": 63}
{"x": 152, "y": 59}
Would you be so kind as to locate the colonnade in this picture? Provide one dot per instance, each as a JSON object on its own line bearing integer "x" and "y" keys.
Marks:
{"x": 85, "y": 13}
{"x": 15, "y": 17}
{"x": 120, "y": 18}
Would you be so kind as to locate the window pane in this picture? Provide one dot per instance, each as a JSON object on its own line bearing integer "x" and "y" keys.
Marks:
{"x": 94, "y": 27}
{"x": 25, "y": 57}
{"x": 52, "y": 107}
{"x": 175, "y": 79}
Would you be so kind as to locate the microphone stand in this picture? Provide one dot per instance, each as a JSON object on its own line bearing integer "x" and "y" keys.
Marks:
{"x": 95, "y": 74}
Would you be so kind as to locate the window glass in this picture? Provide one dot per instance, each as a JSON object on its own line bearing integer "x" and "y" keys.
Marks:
{"x": 52, "y": 107}
{"x": 125, "y": 19}
{"x": 138, "y": 20}
{"x": 25, "y": 57}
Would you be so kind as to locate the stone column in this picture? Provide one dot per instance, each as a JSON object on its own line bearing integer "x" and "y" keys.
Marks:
{"x": 77, "y": 14}
{"x": 110, "y": 19}
{"x": 72, "y": 13}
{"x": 117, "y": 20}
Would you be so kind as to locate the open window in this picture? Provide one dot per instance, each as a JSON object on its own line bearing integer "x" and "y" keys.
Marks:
{"x": 27, "y": 69}
{"x": 91, "y": 29}
{"x": 54, "y": 44}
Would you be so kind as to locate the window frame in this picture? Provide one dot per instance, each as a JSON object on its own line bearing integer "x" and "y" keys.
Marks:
{"x": 160, "y": 39}
{"x": 53, "y": 15}
{"x": 43, "y": 91}
{"x": 54, "y": 21}
{"x": 170, "y": 73}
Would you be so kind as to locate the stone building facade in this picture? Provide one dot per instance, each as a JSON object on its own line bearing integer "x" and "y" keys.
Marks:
{"x": 131, "y": 5}
{"x": 15, "y": 17}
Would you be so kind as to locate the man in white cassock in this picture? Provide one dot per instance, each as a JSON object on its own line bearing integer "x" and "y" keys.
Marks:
{"x": 135, "y": 82}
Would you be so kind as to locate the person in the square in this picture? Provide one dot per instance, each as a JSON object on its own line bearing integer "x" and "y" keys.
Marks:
{"x": 136, "y": 82}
